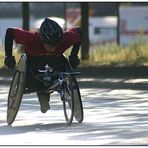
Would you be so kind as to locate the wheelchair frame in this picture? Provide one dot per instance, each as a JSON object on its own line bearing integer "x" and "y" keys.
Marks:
{"x": 66, "y": 84}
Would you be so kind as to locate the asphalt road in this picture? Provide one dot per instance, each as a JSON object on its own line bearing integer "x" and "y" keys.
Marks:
{"x": 115, "y": 113}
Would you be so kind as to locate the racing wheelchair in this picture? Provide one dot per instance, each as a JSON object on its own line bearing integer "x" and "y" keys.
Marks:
{"x": 49, "y": 79}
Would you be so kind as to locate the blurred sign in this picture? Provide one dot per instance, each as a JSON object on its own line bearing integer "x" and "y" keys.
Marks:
{"x": 102, "y": 29}
{"x": 133, "y": 24}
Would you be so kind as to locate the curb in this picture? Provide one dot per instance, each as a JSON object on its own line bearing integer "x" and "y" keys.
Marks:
{"x": 91, "y": 71}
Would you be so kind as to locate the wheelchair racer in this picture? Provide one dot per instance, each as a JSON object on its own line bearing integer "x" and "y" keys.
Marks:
{"x": 50, "y": 40}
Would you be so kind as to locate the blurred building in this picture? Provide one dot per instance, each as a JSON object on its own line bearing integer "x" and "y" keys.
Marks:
{"x": 102, "y": 17}
{"x": 38, "y": 10}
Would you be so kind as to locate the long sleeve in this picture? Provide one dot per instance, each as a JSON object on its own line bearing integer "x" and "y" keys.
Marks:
{"x": 75, "y": 49}
{"x": 9, "y": 41}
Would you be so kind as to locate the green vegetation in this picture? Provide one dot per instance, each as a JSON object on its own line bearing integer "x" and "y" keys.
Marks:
{"x": 135, "y": 54}
{"x": 113, "y": 55}
{"x": 1, "y": 58}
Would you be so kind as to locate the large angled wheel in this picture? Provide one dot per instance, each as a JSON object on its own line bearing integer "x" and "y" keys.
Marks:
{"x": 78, "y": 106}
{"x": 15, "y": 96}
{"x": 16, "y": 91}
{"x": 68, "y": 99}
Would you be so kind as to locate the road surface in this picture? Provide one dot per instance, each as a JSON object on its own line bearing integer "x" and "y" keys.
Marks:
{"x": 115, "y": 113}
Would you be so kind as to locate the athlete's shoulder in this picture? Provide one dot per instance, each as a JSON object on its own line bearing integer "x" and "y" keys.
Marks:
{"x": 76, "y": 28}
{"x": 24, "y": 37}
{"x": 24, "y": 31}
{"x": 73, "y": 31}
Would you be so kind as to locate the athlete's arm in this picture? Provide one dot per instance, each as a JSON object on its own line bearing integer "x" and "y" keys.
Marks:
{"x": 9, "y": 41}
{"x": 73, "y": 58}
{"x": 76, "y": 47}
{"x": 9, "y": 59}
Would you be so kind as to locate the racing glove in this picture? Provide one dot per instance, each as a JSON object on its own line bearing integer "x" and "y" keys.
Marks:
{"x": 10, "y": 61}
{"x": 74, "y": 61}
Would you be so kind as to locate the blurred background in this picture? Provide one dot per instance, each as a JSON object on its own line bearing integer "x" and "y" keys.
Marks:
{"x": 112, "y": 32}
{"x": 102, "y": 16}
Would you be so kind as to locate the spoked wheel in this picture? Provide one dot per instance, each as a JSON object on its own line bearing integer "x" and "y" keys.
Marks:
{"x": 68, "y": 99}
{"x": 15, "y": 96}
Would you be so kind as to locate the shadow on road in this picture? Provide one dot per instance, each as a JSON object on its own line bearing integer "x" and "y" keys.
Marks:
{"x": 115, "y": 113}
{"x": 113, "y": 83}
{"x": 111, "y": 117}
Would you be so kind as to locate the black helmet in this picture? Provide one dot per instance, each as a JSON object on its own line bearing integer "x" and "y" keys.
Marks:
{"x": 51, "y": 32}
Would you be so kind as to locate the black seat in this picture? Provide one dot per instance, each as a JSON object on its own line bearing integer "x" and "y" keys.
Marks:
{"x": 34, "y": 64}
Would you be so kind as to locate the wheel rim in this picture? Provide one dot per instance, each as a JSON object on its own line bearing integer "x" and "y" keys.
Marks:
{"x": 15, "y": 96}
{"x": 68, "y": 101}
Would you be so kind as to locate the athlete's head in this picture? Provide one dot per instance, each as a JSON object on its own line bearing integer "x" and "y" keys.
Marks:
{"x": 50, "y": 32}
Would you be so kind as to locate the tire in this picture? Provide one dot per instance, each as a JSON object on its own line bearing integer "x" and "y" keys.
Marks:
{"x": 15, "y": 96}
{"x": 78, "y": 106}
{"x": 68, "y": 99}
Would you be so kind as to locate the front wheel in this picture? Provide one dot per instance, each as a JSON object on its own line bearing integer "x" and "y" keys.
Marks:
{"x": 68, "y": 99}
{"x": 15, "y": 96}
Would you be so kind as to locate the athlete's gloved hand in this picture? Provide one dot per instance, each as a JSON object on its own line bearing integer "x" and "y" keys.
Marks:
{"x": 74, "y": 61}
{"x": 10, "y": 61}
